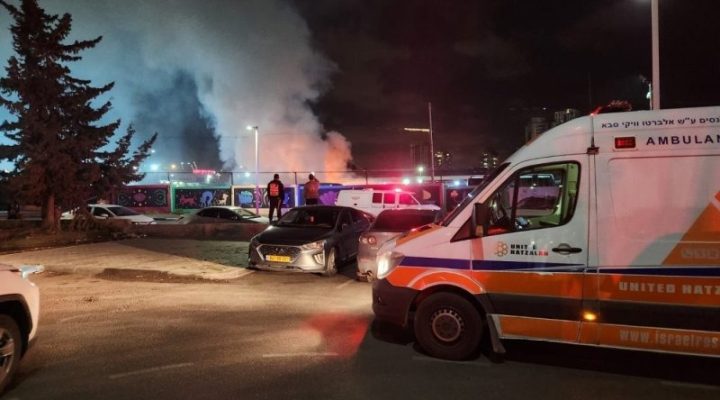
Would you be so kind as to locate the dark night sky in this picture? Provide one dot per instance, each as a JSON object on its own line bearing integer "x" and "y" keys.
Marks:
{"x": 483, "y": 64}
{"x": 306, "y": 69}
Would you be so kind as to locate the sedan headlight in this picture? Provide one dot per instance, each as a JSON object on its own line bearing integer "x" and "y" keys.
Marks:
{"x": 319, "y": 245}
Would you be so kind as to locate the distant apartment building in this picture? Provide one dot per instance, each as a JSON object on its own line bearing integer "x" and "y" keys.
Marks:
{"x": 563, "y": 116}
{"x": 443, "y": 159}
{"x": 535, "y": 127}
{"x": 540, "y": 123}
{"x": 420, "y": 155}
{"x": 489, "y": 161}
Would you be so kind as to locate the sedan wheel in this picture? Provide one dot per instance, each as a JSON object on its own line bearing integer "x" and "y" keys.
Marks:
{"x": 331, "y": 263}
{"x": 10, "y": 350}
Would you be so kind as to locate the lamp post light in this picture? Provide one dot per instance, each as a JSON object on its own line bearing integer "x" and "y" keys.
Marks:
{"x": 257, "y": 183}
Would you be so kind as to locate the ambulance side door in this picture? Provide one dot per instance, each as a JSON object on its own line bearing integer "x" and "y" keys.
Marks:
{"x": 534, "y": 250}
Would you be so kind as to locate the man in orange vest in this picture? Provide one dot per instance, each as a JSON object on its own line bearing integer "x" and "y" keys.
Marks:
{"x": 311, "y": 191}
{"x": 275, "y": 193}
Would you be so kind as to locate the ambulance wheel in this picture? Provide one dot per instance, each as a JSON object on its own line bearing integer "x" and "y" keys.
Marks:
{"x": 331, "y": 263}
{"x": 448, "y": 326}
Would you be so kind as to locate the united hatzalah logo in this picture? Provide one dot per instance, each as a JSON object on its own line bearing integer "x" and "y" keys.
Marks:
{"x": 501, "y": 249}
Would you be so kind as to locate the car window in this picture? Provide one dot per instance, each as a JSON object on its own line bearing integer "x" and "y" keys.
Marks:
{"x": 357, "y": 215}
{"x": 377, "y": 198}
{"x": 345, "y": 218}
{"x": 406, "y": 199}
{"x": 227, "y": 214}
{"x": 538, "y": 197}
{"x": 98, "y": 211}
{"x": 389, "y": 199}
{"x": 245, "y": 213}
{"x": 208, "y": 213}
{"x": 123, "y": 211}
{"x": 402, "y": 221}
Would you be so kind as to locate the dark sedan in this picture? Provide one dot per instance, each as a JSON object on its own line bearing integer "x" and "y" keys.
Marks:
{"x": 310, "y": 239}
{"x": 223, "y": 214}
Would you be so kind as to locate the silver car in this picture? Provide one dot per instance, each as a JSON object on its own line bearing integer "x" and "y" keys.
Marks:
{"x": 389, "y": 223}
{"x": 310, "y": 239}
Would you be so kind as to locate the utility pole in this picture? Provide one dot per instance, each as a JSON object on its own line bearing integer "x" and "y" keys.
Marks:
{"x": 432, "y": 148}
{"x": 655, "y": 55}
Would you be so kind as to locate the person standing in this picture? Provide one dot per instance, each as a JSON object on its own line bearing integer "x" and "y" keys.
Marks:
{"x": 312, "y": 190}
{"x": 275, "y": 193}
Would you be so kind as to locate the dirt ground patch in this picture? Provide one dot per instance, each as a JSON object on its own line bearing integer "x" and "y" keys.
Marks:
{"x": 139, "y": 275}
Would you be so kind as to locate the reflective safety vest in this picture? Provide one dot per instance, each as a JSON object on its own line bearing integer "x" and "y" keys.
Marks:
{"x": 274, "y": 189}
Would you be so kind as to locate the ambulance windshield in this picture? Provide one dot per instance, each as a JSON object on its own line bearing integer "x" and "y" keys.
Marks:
{"x": 470, "y": 196}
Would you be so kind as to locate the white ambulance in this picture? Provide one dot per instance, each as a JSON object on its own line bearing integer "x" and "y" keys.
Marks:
{"x": 374, "y": 201}
{"x": 603, "y": 231}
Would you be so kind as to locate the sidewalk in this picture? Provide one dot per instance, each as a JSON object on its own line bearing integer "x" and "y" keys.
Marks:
{"x": 184, "y": 258}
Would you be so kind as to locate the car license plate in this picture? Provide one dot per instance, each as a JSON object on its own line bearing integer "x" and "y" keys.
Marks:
{"x": 274, "y": 258}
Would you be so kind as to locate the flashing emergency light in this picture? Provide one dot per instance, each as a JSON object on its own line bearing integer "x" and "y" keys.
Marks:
{"x": 456, "y": 183}
{"x": 627, "y": 142}
{"x": 406, "y": 181}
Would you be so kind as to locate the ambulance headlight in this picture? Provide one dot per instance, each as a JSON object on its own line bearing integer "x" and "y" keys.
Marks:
{"x": 387, "y": 261}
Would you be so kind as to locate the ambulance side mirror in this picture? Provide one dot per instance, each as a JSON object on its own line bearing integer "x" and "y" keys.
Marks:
{"x": 480, "y": 219}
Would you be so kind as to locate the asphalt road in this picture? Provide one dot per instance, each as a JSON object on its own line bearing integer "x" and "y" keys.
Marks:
{"x": 136, "y": 334}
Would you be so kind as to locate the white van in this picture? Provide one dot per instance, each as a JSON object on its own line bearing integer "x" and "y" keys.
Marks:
{"x": 374, "y": 201}
{"x": 603, "y": 231}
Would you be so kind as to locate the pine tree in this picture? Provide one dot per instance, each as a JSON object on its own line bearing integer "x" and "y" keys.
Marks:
{"x": 59, "y": 143}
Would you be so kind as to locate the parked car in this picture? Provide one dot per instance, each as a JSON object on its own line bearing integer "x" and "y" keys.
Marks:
{"x": 310, "y": 239}
{"x": 389, "y": 224}
{"x": 223, "y": 214}
{"x": 112, "y": 211}
{"x": 19, "y": 312}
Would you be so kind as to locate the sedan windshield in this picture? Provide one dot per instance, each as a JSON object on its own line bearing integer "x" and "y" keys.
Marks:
{"x": 310, "y": 217}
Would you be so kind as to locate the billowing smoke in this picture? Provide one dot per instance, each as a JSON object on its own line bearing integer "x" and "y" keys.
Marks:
{"x": 199, "y": 72}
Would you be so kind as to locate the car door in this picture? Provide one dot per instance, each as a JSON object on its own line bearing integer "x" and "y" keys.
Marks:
{"x": 345, "y": 234}
{"x": 360, "y": 223}
{"x": 534, "y": 252}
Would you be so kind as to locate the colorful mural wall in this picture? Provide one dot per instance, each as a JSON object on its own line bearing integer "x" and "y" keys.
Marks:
{"x": 162, "y": 198}
{"x": 145, "y": 198}
{"x": 195, "y": 198}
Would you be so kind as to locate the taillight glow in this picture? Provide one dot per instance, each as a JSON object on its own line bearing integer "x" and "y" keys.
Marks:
{"x": 368, "y": 240}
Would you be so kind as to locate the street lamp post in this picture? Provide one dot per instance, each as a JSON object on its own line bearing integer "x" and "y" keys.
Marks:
{"x": 257, "y": 158}
{"x": 655, "y": 55}
{"x": 432, "y": 149}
